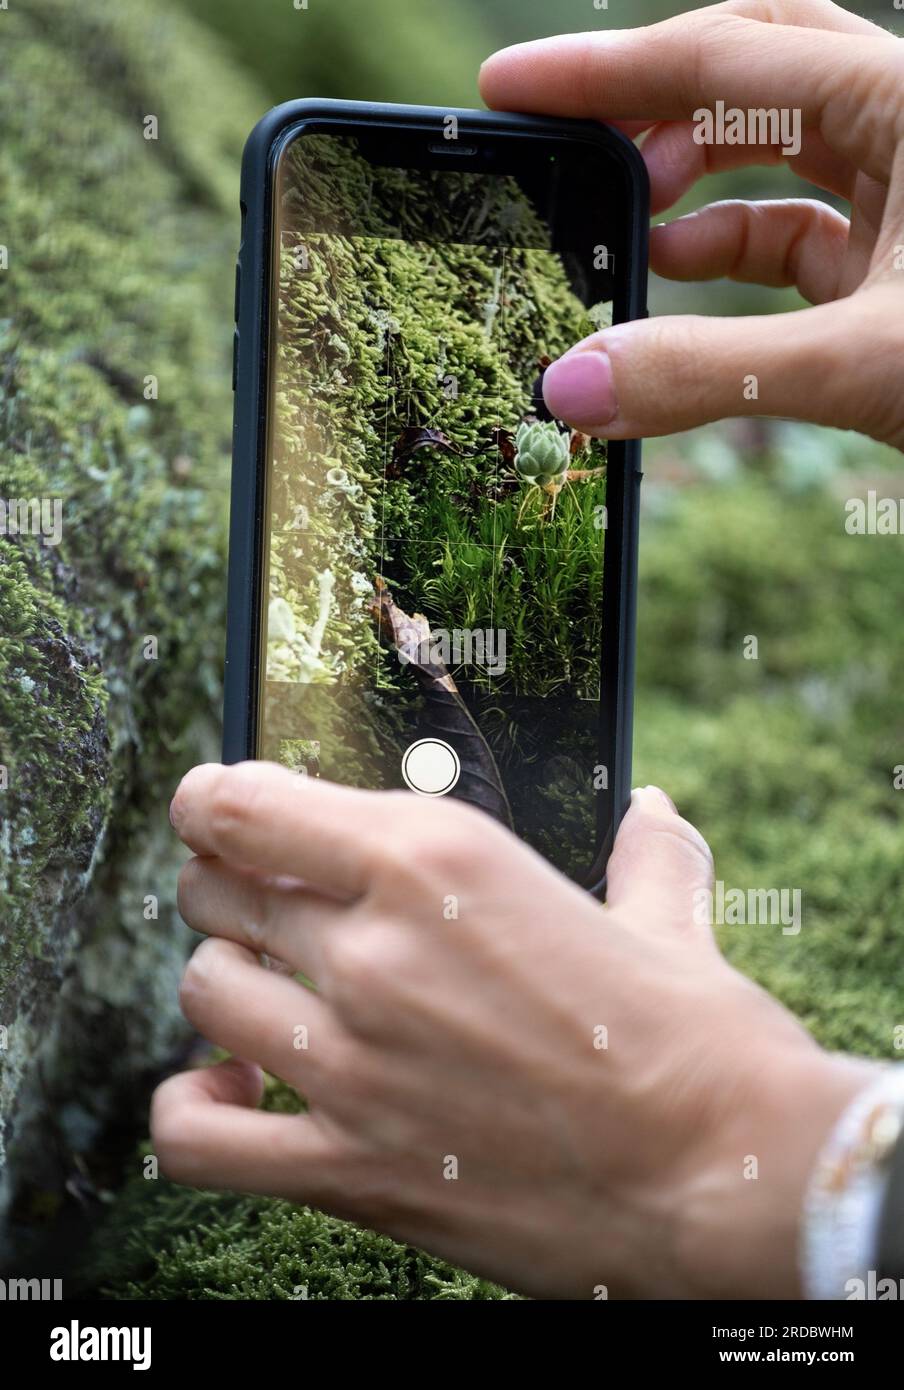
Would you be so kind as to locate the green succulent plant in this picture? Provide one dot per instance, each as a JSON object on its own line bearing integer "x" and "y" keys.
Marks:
{"x": 541, "y": 453}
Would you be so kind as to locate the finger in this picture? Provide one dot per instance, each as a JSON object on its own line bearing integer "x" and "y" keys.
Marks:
{"x": 673, "y": 70}
{"x": 283, "y": 920}
{"x": 676, "y": 161}
{"x": 206, "y": 1133}
{"x": 238, "y": 1004}
{"x": 659, "y": 868}
{"x": 799, "y": 242}
{"x": 806, "y": 14}
{"x": 659, "y": 376}
{"x": 263, "y": 817}
{"x": 632, "y": 128}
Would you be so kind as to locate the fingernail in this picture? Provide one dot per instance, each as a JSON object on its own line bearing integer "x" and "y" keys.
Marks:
{"x": 580, "y": 388}
{"x": 174, "y": 812}
{"x": 656, "y": 794}
{"x": 663, "y": 796}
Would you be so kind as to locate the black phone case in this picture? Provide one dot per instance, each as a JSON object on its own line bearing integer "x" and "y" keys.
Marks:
{"x": 250, "y": 373}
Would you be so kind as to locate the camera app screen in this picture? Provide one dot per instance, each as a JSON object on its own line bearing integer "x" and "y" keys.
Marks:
{"x": 434, "y": 575}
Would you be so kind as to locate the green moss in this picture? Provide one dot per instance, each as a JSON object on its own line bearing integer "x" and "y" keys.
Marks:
{"x": 114, "y": 275}
{"x": 371, "y": 331}
{"x": 120, "y": 255}
{"x": 785, "y": 762}
{"x": 180, "y": 1244}
{"x": 120, "y": 265}
{"x": 166, "y": 1242}
{"x": 435, "y": 340}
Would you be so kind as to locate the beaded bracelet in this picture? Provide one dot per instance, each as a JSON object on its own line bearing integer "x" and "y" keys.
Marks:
{"x": 843, "y": 1204}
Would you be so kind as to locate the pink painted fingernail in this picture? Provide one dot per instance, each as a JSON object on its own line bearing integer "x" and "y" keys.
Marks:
{"x": 580, "y": 388}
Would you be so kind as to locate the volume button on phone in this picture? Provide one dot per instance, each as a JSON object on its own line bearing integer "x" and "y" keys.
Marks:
{"x": 235, "y": 359}
{"x": 238, "y": 290}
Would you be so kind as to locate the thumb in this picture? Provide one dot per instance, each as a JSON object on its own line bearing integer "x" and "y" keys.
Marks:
{"x": 660, "y": 873}
{"x": 658, "y": 376}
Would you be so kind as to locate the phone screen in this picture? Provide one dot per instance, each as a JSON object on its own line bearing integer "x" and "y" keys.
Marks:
{"x": 432, "y": 595}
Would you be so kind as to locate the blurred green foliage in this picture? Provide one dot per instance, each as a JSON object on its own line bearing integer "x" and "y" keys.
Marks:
{"x": 425, "y": 51}
{"x": 787, "y": 761}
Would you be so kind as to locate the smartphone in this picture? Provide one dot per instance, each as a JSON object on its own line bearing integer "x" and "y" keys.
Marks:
{"x": 431, "y": 581}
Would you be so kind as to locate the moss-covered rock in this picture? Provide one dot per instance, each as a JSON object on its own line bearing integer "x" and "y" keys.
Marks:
{"x": 114, "y": 405}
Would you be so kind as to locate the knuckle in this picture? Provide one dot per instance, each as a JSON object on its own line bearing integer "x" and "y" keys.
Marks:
{"x": 382, "y": 1197}
{"x": 711, "y": 38}
{"x": 867, "y": 395}
{"x": 333, "y": 1067}
{"x": 440, "y": 850}
{"x": 774, "y": 11}
{"x": 349, "y": 960}
{"x": 360, "y": 961}
{"x": 688, "y": 838}
{"x": 443, "y": 842}
{"x": 864, "y": 111}
{"x": 672, "y": 832}
{"x": 668, "y": 355}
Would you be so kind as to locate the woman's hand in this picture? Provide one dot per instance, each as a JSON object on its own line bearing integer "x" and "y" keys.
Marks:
{"x": 557, "y": 1095}
{"x": 836, "y": 364}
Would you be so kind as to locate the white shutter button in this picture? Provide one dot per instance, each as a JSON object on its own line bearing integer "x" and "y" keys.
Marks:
{"x": 431, "y": 767}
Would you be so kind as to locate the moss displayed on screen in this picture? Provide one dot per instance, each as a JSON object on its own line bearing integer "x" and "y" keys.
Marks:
{"x": 436, "y": 539}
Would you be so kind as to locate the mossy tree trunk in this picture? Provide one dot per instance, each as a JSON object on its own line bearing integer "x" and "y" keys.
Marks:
{"x": 115, "y": 337}
{"x": 115, "y": 309}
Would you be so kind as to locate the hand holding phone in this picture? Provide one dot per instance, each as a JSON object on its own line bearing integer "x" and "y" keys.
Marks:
{"x": 432, "y": 579}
